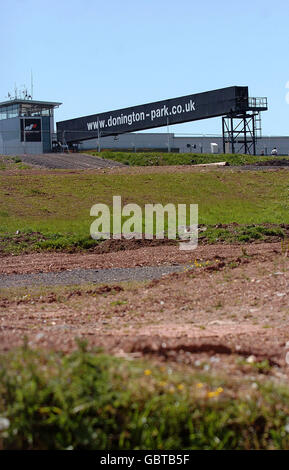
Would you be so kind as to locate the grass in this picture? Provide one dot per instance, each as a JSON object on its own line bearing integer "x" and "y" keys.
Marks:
{"x": 29, "y": 241}
{"x": 12, "y": 163}
{"x": 160, "y": 159}
{"x": 55, "y": 207}
{"x": 242, "y": 233}
{"x": 88, "y": 400}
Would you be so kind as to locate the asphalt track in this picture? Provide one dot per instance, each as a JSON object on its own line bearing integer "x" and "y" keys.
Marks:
{"x": 68, "y": 161}
{"x": 86, "y": 276}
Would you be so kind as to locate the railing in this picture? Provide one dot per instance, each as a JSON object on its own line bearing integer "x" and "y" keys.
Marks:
{"x": 259, "y": 103}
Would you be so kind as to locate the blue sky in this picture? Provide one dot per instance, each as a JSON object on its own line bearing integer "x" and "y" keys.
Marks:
{"x": 97, "y": 56}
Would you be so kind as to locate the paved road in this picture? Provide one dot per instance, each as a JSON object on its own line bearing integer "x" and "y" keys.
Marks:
{"x": 82, "y": 276}
{"x": 69, "y": 161}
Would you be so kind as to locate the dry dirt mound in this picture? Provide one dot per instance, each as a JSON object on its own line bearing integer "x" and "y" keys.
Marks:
{"x": 163, "y": 255}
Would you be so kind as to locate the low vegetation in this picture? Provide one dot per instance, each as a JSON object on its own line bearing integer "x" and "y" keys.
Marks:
{"x": 161, "y": 159}
{"x": 51, "y": 210}
{"x": 28, "y": 241}
{"x": 12, "y": 163}
{"x": 87, "y": 400}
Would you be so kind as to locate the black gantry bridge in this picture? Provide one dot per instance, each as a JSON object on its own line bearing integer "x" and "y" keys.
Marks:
{"x": 241, "y": 122}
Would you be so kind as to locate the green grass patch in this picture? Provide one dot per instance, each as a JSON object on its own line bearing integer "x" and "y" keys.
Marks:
{"x": 243, "y": 233}
{"x": 162, "y": 159}
{"x": 57, "y": 205}
{"x": 12, "y": 163}
{"x": 29, "y": 241}
{"x": 88, "y": 400}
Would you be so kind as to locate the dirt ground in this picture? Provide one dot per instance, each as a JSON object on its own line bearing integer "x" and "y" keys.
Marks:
{"x": 229, "y": 310}
{"x": 127, "y": 258}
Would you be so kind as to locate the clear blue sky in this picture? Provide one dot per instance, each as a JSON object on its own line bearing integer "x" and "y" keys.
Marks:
{"x": 97, "y": 55}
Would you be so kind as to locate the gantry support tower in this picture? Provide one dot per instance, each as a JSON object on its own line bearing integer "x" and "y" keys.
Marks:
{"x": 242, "y": 129}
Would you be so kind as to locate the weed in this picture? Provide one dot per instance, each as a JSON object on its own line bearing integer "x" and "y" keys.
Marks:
{"x": 88, "y": 400}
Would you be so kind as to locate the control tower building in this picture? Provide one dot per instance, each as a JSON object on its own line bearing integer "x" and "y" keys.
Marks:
{"x": 26, "y": 126}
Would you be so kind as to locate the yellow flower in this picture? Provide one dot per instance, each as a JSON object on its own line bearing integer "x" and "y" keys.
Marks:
{"x": 163, "y": 383}
{"x": 147, "y": 372}
{"x": 180, "y": 387}
{"x": 216, "y": 393}
{"x": 199, "y": 385}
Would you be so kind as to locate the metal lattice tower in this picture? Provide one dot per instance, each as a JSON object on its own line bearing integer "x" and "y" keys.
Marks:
{"x": 241, "y": 130}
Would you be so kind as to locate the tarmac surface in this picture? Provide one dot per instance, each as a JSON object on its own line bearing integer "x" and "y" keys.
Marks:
{"x": 82, "y": 276}
{"x": 69, "y": 161}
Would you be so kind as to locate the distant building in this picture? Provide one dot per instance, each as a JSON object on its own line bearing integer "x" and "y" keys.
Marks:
{"x": 26, "y": 126}
{"x": 137, "y": 142}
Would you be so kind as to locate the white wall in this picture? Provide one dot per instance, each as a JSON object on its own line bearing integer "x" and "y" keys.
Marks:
{"x": 135, "y": 141}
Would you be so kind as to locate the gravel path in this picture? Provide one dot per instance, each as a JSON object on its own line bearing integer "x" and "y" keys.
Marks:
{"x": 82, "y": 276}
{"x": 75, "y": 161}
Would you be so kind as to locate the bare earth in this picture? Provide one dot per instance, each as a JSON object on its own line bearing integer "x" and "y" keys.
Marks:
{"x": 146, "y": 256}
{"x": 230, "y": 306}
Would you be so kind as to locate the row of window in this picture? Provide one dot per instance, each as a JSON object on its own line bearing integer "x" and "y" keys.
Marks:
{"x": 15, "y": 110}
{"x": 10, "y": 111}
